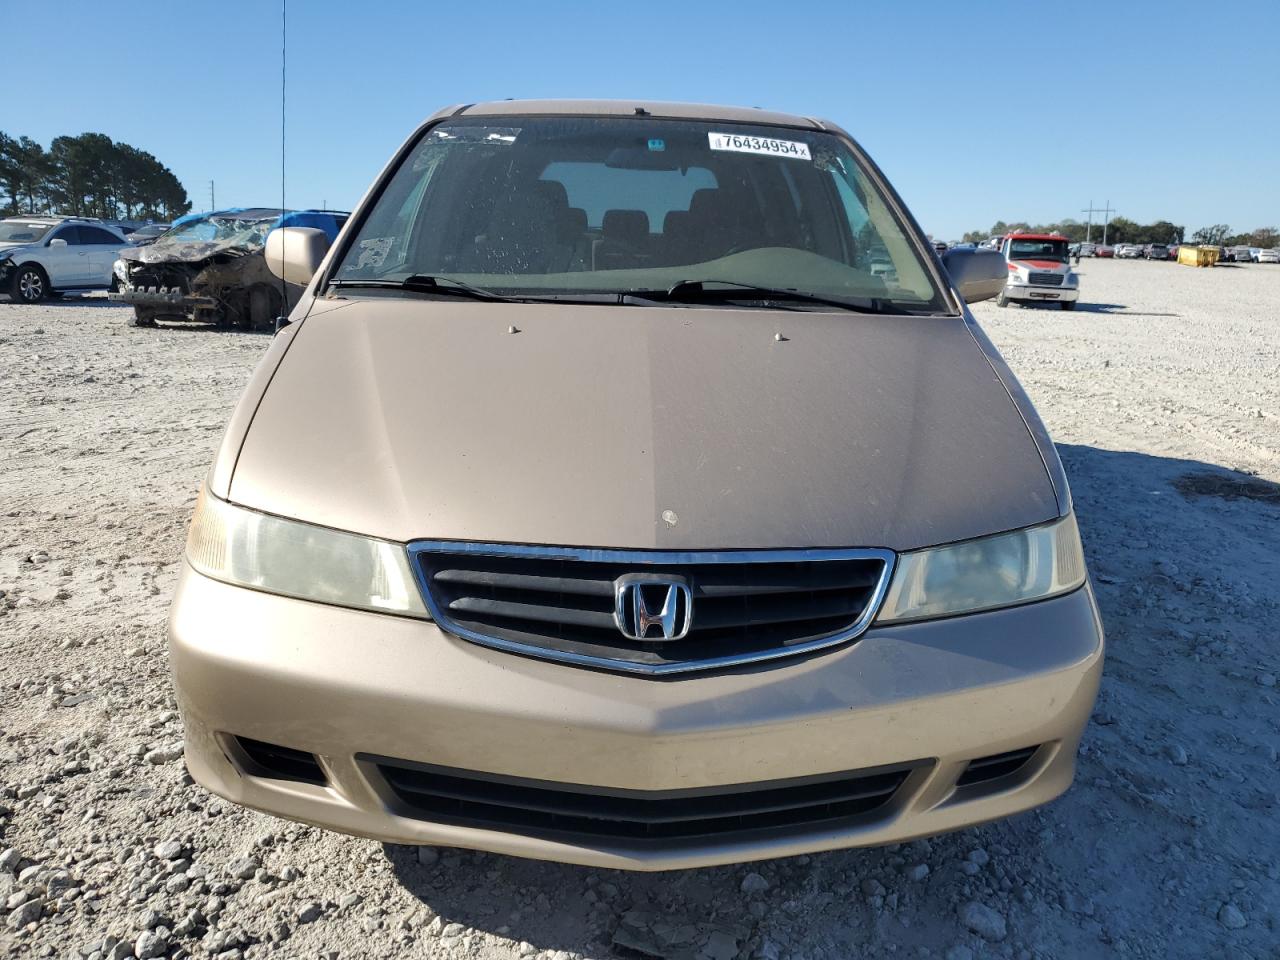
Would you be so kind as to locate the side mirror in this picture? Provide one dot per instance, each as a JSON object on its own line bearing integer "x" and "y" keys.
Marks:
{"x": 294, "y": 253}
{"x": 977, "y": 274}
{"x": 57, "y": 242}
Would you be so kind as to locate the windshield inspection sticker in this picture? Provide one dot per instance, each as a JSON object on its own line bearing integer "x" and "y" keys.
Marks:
{"x": 744, "y": 144}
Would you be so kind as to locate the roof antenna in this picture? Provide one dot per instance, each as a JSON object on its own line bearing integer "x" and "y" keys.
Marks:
{"x": 282, "y": 318}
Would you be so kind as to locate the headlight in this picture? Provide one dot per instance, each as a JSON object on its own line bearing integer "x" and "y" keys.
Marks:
{"x": 999, "y": 571}
{"x": 120, "y": 270}
{"x": 296, "y": 559}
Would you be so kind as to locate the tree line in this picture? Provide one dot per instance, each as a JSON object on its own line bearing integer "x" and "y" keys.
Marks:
{"x": 87, "y": 176}
{"x": 1220, "y": 235}
{"x": 1124, "y": 230}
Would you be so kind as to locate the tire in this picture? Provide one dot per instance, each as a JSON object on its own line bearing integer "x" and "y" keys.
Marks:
{"x": 1068, "y": 304}
{"x": 30, "y": 284}
{"x": 143, "y": 317}
{"x": 263, "y": 308}
{"x": 1002, "y": 300}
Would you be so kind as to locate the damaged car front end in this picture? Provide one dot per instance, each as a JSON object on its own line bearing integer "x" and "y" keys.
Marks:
{"x": 210, "y": 268}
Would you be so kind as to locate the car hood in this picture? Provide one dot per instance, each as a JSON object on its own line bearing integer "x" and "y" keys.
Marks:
{"x": 12, "y": 247}
{"x": 640, "y": 427}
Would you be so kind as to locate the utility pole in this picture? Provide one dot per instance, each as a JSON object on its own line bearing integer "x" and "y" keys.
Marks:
{"x": 1091, "y": 210}
{"x": 213, "y": 204}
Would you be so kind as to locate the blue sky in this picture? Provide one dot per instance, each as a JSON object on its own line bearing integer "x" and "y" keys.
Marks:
{"x": 976, "y": 111}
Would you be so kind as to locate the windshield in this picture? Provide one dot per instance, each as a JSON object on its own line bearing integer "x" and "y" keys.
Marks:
{"x": 229, "y": 231}
{"x": 15, "y": 231}
{"x": 531, "y": 206}
{"x": 1055, "y": 250}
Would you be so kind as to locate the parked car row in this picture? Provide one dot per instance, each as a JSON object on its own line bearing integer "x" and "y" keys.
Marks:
{"x": 206, "y": 267}
{"x": 1160, "y": 251}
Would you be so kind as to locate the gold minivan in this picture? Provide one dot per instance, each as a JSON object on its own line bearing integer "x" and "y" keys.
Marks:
{"x": 633, "y": 487}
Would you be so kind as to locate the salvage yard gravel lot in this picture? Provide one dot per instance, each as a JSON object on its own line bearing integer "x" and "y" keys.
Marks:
{"x": 1162, "y": 392}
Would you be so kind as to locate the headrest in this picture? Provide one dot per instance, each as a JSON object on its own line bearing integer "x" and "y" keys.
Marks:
{"x": 574, "y": 220}
{"x": 705, "y": 203}
{"x": 626, "y": 224}
{"x": 553, "y": 192}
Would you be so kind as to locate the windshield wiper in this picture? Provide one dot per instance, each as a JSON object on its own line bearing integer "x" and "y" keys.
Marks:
{"x": 423, "y": 283}
{"x": 698, "y": 291}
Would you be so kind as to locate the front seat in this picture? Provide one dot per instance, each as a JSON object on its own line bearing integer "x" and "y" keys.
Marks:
{"x": 624, "y": 241}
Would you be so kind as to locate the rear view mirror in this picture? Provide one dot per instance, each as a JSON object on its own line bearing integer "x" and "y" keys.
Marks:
{"x": 57, "y": 242}
{"x": 977, "y": 274}
{"x": 294, "y": 254}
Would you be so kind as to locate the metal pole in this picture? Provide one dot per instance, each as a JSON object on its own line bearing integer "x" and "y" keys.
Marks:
{"x": 213, "y": 203}
{"x": 1088, "y": 224}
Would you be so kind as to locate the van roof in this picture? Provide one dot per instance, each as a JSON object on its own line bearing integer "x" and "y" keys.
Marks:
{"x": 656, "y": 108}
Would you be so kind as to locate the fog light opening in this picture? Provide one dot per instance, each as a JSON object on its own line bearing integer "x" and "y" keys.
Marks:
{"x": 986, "y": 769}
{"x": 274, "y": 762}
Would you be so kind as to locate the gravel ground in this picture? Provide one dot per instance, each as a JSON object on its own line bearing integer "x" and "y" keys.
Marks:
{"x": 1165, "y": 847}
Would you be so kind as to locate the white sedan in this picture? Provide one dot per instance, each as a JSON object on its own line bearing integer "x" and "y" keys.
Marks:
{"x": 40, "y": 256}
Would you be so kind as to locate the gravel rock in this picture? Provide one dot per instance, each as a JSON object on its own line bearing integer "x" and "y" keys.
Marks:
{"x": 982, "y": 920}
{"x": 168, "y": 850}
{"x": 1075, "y": 903}
{"x": 151, "y": 943}
{"x": 1177, "y": 754}
{"x": 310, "y": 912}
{"x": 754, "y": 883}
{"x": 25, "y": 912}
{"x": 243, "y": 869}
{"x": 918, "y": 872}
{"x": 1231, "y": 917}
{"x": 166, "y": 754}
{"x": 428, "y": 856}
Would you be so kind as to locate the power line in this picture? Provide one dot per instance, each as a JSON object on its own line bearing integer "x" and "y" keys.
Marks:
{"x": 284, "y": 35}
{"x": 1091, "y": 210}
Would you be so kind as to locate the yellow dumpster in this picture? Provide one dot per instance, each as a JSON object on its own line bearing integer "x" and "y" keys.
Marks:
{"x": 1197, "y": 256}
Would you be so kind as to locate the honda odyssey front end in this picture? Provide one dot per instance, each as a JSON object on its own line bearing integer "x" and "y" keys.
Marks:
{"x": 603, "y": 504}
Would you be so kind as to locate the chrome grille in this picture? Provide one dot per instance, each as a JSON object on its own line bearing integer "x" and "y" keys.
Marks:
{"x": 1045, "y": 279}
{"x": 558, "y": 603}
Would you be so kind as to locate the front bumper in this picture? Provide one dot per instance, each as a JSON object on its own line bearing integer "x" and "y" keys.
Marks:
{"x": 1034, "y": 291}
{"x": 347, "y": 685}
{"x": 162, "y": 296}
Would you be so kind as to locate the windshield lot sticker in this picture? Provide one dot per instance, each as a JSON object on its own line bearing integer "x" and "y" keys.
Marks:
{"x": 373, "y": 251}
{"x": 765, "y": 145}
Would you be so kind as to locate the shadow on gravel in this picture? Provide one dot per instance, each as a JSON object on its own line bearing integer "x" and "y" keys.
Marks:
{"x": 66, "y": 300}
{"x": 1084, "y": 307}
{"x": 1228, "y": 486}
{"x": 1149, "y": 522}
{"x": 187, "y": 326}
